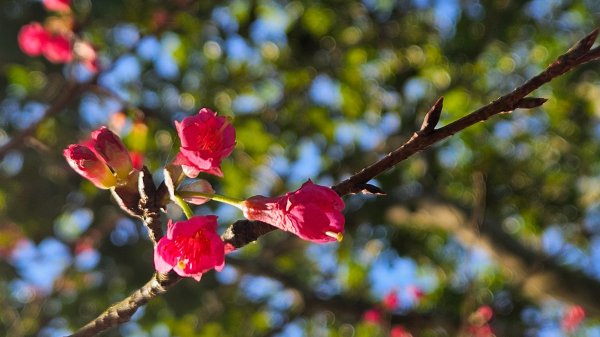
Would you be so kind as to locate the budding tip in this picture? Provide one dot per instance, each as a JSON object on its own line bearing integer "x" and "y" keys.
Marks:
{"x": 338, "y": 236}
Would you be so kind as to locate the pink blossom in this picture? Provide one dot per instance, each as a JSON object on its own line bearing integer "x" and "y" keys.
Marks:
{"x": 573, "y": 318}
{"x": 372, "y": 316}
{"x": 479, "y": 322}
{"x": 485, "y": 313}
{"x": 205, "y": 140}
{"x": 58, "y": 49}
{"x": 33, "y": 39}
{"x": 415, "y": 292}
{"x": 313, "y": 212}
{"x": 399, "y": 331}
{"x": 391, "y": 301}
{"x": 111, "y": 148}
{"x": 480, "y": 331}
{"x": 103, "y": 159}
{"x": 57, "y": 5}
{"x": 85, "y": 162}
{"x": 87, "y": 55}
{"x": 137, "y": 160}
{"x": 190, "y": 248}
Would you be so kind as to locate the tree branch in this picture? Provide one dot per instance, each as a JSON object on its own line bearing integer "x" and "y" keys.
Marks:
{"x": 243, "y": 232}
{"x": 577, "y": 55}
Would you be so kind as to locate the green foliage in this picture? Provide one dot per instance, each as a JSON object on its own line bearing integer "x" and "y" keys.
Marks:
{"x": 257, "y": 62}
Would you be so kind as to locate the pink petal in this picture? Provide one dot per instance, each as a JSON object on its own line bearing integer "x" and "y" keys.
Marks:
{"x": 164, "y": 255}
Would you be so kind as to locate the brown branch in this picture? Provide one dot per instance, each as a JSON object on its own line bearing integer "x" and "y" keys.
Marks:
{"x": 432, "y": 117}
{"x": 71, "y": 91}
{"x": 122, "y": 311}
{"x": 244, "y": 232}
{"x": 578, "y": 55}
{"x": 239, "y": 234}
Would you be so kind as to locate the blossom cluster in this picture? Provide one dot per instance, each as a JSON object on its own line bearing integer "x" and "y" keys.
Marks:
{"x": 191, "y": 248}
{"x": 55, "y": 39}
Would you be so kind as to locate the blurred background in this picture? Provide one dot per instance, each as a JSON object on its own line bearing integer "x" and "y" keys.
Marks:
{"x": 495, "y": 231}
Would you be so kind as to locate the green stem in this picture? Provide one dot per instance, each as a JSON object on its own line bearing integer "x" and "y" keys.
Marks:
{"x": 184, "y": 206}
{"x": 216, "y": 197}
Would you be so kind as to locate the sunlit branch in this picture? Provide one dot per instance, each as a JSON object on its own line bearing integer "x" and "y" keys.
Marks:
{"x": 576, "y": 56}
{"x": 244, "y": 232}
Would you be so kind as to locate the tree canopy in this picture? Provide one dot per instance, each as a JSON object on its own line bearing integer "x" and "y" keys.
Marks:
{"x": 493, "y": 230}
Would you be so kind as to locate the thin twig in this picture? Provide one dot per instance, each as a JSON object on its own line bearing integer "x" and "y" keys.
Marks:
{"x": 578, "y": 55}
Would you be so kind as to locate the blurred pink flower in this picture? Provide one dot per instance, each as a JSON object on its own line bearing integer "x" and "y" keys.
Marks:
{"x": 86, "y": 54}
{"x": 573, "y": 318}
{"x": 479, "y": 322}
{"x": 33, "y": 39}
{"x": 190, "y": 248}
{"x": 205, "y": 140}
{"x": 415, "y": 292}
{"x": 480, "y": 331}
{"x": 391, "y": 301}
{"x": 57, "y": 5}
{"x": 58, "y": 49}
{"x": 485, "y": 312}
{"x": 399, "y": 331}
{"x": 313, "y": 212}
{"x": 372, "y": 316}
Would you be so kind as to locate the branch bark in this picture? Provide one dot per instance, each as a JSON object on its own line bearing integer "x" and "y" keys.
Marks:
{"x": 243, "y": 232}
{"x": 576, "y": 56}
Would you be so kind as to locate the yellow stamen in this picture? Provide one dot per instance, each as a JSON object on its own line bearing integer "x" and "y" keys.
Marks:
{"x": 181, "y": 264}
{"x": 337, "y": 236}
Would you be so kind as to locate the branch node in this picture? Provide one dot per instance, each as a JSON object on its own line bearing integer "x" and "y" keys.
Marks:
{"x": 432, "y": 117}
{"x": 581, "y": 47}
{"x": 369, "y": 189}
{"x": 530, "y": 102}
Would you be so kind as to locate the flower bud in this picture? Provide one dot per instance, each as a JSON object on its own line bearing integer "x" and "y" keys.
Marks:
{"x": 113, "y": 151}
{"x": 85, "y": 162}
{"x": 313, "y": 212}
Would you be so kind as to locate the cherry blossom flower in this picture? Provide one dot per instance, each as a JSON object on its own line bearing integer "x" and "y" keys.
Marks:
{"x": 104, "y": 159}
{"x": 372, "y": 316}
{"x": 572, "y": 319}
{"x": 58, "y": 49}
{"x": 85, "y": 162}
{"x": 391, "y": 301}
{"x": 399, "y": 331}
{"x": 86, "y": 54}
{"x": 205, "y": 140}
{"x": 313, "y": 212}
{"x": 190, "y": 248}
{"x": 479, "y": 322}
{"x": 33, "y": 39}
{"x": 111, "y": 148}
{"x": 415, "y": 292}
{"x": 57, "y": 5}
